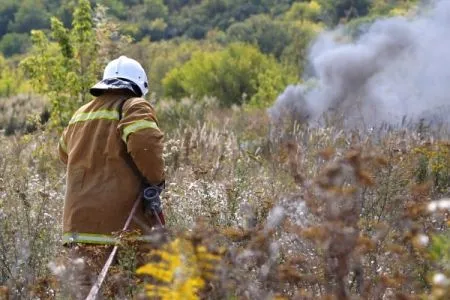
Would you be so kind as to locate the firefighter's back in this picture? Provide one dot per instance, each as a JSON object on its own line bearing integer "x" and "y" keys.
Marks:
{"x": 101, "y": 184}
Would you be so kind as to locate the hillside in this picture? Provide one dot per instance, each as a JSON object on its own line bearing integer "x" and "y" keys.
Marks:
{"x": 306, "y": 147}
{"x": 164, "y": 35}
{"x": 161, "y": 20}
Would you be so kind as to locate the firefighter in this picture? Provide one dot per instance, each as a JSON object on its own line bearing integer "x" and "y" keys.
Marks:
{"x": 112, "y": 148}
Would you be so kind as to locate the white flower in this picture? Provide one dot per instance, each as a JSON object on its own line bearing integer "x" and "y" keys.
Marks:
{"x": 440, "y": 279}
{"x": 78, "y": 261}
{"x": 56, "y": 269}
{"x": 443, "y": 204}
{"x": 276, "y": 216}
{"x": 423, "y": 239}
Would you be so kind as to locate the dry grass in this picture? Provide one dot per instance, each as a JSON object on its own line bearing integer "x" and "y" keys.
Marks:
{"x": 303, "y": 213}
{"x": 22, "y": 114}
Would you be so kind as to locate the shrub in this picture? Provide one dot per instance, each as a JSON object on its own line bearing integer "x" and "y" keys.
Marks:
{"x": 315, "y": 213}
{"x": 159, "y": 58}
{"x": 22, "y": 113}
{"x": 64, "y": 71}
{"x": 14, "y": 43}
{"x": 270, "y": 36}
{"x": 12, "y": 81}
{"x": 232, "y": 75}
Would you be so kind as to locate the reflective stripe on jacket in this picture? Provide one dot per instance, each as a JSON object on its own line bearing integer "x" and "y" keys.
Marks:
{"x": 106, "y": 158}
{"x": 99, "y": 239}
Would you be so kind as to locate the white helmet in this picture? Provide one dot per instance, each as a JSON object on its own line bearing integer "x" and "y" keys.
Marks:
{"x": 124, "y": 68}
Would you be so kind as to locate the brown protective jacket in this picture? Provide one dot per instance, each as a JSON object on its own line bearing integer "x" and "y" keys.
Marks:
{"x": 108, "y": 160}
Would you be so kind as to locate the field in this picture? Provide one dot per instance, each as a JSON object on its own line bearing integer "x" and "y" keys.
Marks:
{"x": 292, "y": 212}
{"x": 307, "y": 146}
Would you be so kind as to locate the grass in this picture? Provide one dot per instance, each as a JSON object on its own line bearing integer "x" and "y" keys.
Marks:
{"x": 293, "y": 212}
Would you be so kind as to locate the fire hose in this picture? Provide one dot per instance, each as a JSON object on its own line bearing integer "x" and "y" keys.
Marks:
{"x": 152, "y": 202}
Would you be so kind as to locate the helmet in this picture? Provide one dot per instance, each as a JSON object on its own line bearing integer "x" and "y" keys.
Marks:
{"x": 123, "y": 68}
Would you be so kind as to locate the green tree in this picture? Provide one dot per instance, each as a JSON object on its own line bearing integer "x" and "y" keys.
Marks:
{"x": 160, "y": 58}
{"x": 395, "y": 7}
{"x": 231, "y": 75}
{"x": 7, "y": 10}
{"x": 14, "y": 43}
{"x": 30, "y": 15}
{"x": 11, "y": 79}
{"x": 65, "y": 70}
{"x": 270, "y": 36}
{"x": 334, "y": 11}
{"x": 295, "y": 53}
{"x": 304, "y": 11}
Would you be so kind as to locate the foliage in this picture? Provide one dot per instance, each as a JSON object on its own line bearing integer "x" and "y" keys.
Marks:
{"x": 14, "y": 43}
{"x": 272, "y": 213}
{"x": 30, "y": 15}
{"x": 283, "y": 29}
{"x": 30, "y": 193}
{"x": 161, "y": 57}
{"x": 7, "y": 10}
{"x": 339, "y": 11}
{"x": 270, "y": 36}
{"x": 440, "y": 250}
{"x": 392, "y": 8}
{"x": 434, "y": 164}
{"x": 22, "y": 114}
{"x": 157, "y": 19}
{"x": 285, "y": 206}
{"x": 295, "y": 53}
{"x": 12, "y": 81}
{"x": 286, "y": 38}
{"x": 174, "y": 114}
{"x": 64, "y": 71}
{"x": 231, "y": 75}
{"x": 304, "y": 11}
{"x": 182, "y": 270}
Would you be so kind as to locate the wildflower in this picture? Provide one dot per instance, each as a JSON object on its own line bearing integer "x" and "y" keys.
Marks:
{"x": 276, "y": 216}
{"x": 181, "y": 271}
{"x": 56, "y": 269}
{"x": 440, "y": 279}
{"x": 78, "y": 262}
{"x": 421, "y": 241}
{"x": 443, "y": 204}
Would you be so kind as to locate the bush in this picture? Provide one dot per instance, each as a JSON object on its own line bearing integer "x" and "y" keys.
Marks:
{"x": 270, "y": 36}
{"x": 12, "y": 80}
{"x": 232, "y": 75}
{"x": 159, "y": 58}
{"x": 325, "y": 212}
{"x": 22, "y": 113}
{"x": 14, "y": 43}
{"x": 64, "y": 71}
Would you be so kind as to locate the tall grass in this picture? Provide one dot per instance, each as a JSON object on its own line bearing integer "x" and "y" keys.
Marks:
{"x": 300, "y": 213}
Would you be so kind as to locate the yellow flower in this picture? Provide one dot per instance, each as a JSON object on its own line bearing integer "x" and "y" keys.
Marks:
{"x": 181, "y": 270}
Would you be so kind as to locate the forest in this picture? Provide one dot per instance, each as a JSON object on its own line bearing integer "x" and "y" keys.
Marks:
{"x": 307, "y": 145}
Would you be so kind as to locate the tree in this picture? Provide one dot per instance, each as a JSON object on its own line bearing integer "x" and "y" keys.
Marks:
{"x": 383, "y": 7}
{"x": 11, "y": 79}
{"x": 64, "y": 71}
{"x": 270, "y": 36}
{"x": 231, "y": 75}
{"x": 14, "y": 43}
{"x": 301, "y": 11}
{"x": 7, "y": 10}
{"x": 30, "y": 15}
{"x": 334, "y": 11}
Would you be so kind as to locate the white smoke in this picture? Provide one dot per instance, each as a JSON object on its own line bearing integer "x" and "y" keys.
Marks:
{"x": 398, "y": 68}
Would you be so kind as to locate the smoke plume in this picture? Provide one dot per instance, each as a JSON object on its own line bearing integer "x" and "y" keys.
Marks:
{"x": 398, "y": 68}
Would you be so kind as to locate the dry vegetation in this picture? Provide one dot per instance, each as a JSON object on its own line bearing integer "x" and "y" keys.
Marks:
{"x": 298, "y": 213}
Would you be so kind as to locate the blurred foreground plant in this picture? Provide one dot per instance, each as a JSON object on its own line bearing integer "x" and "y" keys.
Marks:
{"x": 181, "y": 270}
